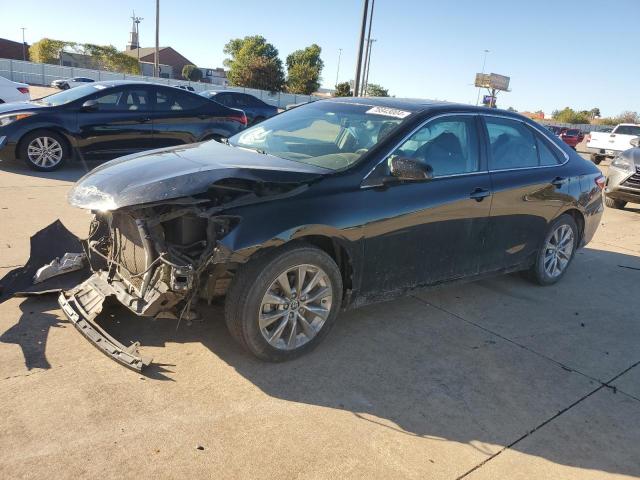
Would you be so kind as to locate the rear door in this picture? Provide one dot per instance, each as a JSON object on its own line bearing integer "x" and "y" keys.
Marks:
{"x": 432, "y": 231}
{"x": 120, "y": 125}
{"x": 179, "y": 117}
{"x": 530, "y": 182}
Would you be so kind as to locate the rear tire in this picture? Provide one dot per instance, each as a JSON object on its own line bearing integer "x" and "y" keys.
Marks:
{"x": 257, "y": 306}
{"x": 597, "y": 159}
{"x": 612, "y": 203}
{"x": 556, "y": 253}
{"x": 44, "y": 150}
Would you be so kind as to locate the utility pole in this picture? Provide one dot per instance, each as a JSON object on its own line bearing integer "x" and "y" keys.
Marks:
{"x": 156, "y": 56}
{"x": 363, "y": 27}
{"x": 484, "y": 62}
{"x": 367, "y": 65}
{"x": 366, "y": 56}
{"x": 24, "y": 45}
{"x": 338, "y": 70}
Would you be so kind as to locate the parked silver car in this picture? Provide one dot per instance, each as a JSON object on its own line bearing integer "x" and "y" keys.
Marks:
{"x": 623, "y": 179}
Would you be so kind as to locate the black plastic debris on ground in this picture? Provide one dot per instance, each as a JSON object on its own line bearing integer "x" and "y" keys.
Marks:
{"x": 50, "y": 242}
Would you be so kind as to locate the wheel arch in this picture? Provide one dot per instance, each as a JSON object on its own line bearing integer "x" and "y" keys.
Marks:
{"x": 578, "y": 217}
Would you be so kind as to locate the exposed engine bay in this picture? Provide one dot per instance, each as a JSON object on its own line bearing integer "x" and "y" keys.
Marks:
{"x": 158, "y": 259}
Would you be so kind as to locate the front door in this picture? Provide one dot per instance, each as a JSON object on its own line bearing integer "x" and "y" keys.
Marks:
{"x": 432, "y": 231}
{"x": 121, "y": 124}
{"x": 530, "y": 185}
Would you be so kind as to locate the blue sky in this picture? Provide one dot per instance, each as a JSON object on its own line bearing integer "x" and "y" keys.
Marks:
{"x": 581, "y": 54}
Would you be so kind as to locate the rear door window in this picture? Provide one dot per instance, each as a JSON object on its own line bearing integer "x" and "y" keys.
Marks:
{"x": 511, "y": 144}
{"x": 175, "y": 100}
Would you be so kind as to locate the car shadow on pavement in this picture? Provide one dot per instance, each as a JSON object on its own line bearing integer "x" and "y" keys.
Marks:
{"x": 70, "y": 172}
{"x": 404, "y": 366}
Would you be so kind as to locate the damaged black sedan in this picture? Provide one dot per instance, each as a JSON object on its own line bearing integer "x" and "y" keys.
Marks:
{"x": 333, "y": 204}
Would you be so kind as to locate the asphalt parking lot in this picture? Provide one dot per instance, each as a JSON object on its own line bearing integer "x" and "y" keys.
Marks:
{"x": 494, "y": 379}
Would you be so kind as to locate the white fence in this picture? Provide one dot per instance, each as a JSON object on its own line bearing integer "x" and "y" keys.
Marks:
{"x": 44, "y": 74}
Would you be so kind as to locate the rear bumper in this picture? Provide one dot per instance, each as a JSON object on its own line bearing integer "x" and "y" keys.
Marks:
{"x": 602, "y": 151}
{"x": 82, "y": 305}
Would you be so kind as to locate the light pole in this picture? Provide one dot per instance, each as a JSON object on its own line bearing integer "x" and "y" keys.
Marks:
{"x": 366, "y": 56}
{"x": 338, "y": 70}
{"x": 363, "y": 26}
{"x": 484, "y": 62}
{"x": 24, "y": 45}
{"x": 156, "y": 56}
{"x": 367, "y": 65}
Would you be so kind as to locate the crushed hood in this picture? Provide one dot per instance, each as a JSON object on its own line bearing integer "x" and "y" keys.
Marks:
{"x": 170, "y": 173}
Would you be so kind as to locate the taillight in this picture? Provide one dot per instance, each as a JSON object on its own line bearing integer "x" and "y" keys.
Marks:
{"x": 23, "y": 89}
{"x": 600, "y": 182}
{"x": 239, "y": 117}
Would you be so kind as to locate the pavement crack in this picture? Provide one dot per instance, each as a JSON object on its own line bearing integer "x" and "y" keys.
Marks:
{"x": 513, "y": 342}
{"x": 530, "y": 432}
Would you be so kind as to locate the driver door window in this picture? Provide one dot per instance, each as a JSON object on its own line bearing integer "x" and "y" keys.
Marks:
{"x": 448, "y": 145}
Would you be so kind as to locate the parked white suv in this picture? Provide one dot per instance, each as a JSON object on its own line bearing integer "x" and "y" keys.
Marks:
{"x": 66, "y": 83}
{"x": 13, "y": 91}
{"x": 604, "y": 144}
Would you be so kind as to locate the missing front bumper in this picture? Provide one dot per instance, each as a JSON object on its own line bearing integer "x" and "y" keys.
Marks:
{"x": 82, "y": 305}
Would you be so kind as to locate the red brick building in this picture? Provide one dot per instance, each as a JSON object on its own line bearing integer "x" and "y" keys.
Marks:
{"x": 13, "y": 50}
{"x": 168, "y": 56}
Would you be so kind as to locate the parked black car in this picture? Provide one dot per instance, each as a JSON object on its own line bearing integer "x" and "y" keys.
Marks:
{"x": 110, "y": 119}
{"x": 333, "y": 204}
{"x": 255, "y": 109}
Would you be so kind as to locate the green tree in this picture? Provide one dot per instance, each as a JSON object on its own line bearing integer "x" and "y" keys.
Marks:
{"x": 108, "y": 57}
{"x": 375, "y": 90}
{"x": 48, "y": 50}
{"x": 303, "y": 70}
{"x": 594, "y": 112}
{"x": 191, "y": 72}
{"x": 568, "y": 115}
{"x": 254, "y": 63}
{"x": 343, "y": 90}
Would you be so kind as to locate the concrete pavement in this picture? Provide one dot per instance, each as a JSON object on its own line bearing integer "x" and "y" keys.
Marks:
{"x": 494, "y": 379}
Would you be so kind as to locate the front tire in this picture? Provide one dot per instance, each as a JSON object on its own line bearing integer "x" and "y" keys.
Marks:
{"x": 612, "y": 203}
{"x": 283, "y": 304}
{"x": 44, "y": 150}
{"x": 557, "y": 252}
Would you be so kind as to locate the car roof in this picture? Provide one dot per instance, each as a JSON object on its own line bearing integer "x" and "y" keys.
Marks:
{"x": 419, "y": 105}
{"x": 229, "y": 91}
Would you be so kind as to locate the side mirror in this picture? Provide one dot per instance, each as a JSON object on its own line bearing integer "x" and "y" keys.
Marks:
{"x": 635, "y": 142}
{"x": 90, "y": 106}
{"x": 406, "y": 169}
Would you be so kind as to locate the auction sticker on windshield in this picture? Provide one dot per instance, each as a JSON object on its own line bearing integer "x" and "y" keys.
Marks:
{"x": 388, "y": 112}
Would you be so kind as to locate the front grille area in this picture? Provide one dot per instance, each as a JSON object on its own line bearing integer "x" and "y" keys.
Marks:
{"x": 128, "y": 250}
{"x": 633, "y": 181}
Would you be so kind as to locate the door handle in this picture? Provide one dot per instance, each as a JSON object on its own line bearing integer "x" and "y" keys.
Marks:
{"x": 559, "y": 181}
{"x": 479, "y": 194}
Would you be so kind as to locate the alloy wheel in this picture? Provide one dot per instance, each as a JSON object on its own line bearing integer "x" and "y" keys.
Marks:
{"x": 45, "y": 152}
{"x": 295, "y": 307}
{"x": 558, "y": 250}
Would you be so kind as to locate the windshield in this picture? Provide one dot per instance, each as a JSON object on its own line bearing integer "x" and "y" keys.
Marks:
{"x": 67, "y": 96}
{"x": 628, "y": 130}
{"x": 328, "y": 134}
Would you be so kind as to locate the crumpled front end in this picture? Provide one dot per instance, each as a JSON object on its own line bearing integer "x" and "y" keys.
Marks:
{"x": 156, "y": 260}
